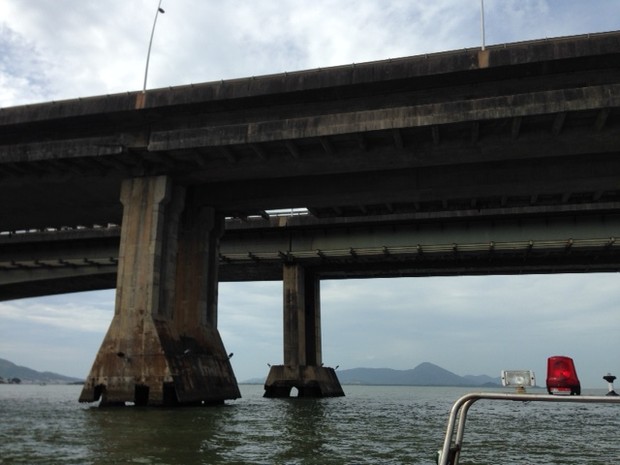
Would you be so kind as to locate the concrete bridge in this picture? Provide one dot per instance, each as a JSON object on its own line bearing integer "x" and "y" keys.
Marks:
{"x": 502, "y": 160}
{"x": 255, "y": 249}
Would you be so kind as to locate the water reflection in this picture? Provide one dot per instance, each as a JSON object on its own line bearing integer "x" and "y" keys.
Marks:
{"x": 304, "y": 430}
{"x": 158, "y": 436}
{"x": 255, "y": 430}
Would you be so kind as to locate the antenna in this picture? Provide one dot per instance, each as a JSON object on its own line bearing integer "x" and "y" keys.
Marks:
{"x": 148, "y": 55}
{"x": 482, "y": 22}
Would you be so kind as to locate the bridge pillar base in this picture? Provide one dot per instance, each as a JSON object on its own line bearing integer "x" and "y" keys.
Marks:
{"x": 163, "y": 369}
{"x": 310, "y": 381}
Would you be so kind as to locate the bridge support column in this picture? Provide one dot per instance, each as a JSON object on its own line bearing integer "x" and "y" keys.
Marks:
{"x": 163, "y": 346}
{"x": 303, "y": 368}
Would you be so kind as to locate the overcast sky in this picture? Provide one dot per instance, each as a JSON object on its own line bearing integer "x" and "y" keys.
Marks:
{"x": 58, "y": 49}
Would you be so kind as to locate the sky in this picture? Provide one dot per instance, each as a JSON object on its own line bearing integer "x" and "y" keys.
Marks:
{"x": 61, "y": 49}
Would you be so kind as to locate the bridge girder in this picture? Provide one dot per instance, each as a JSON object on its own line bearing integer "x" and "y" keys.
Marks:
{"x": 409, "y": 245}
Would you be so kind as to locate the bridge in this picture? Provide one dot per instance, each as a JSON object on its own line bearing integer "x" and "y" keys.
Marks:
{"x": 255, "y": 249}
{"x": 501, "y": 160}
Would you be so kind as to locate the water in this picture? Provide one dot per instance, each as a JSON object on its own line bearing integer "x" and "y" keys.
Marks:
{"x": 371, "y": 425}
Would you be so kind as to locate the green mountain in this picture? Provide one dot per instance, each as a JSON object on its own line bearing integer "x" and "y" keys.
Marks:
{"x": 9, "y": 370}
{"x": 425, "y": 374}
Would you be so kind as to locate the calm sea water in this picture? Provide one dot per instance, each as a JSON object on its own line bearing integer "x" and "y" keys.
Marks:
{"x": 371, "y": 425}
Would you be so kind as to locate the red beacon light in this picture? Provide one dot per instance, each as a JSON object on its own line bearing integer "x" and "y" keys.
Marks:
{"x": 562, "y": 377}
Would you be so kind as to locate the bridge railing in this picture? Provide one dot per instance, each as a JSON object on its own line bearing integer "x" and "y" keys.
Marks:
{"x": 285, "y": 212}
{"x": 420, "y": 249}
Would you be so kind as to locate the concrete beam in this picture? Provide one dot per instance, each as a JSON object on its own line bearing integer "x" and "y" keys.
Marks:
{"x": 525, "y": 58}
{"x": 426, "y": 115}
{"x": 43, "y": 263}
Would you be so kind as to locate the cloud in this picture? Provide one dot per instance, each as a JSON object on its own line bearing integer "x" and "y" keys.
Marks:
{"x": 83, "y": 48}
{"x": 67, "y": 49}
{"x": 21, "y": 76}
{"x": 68, "y": 312}
{"x": 472, "y": 325}
{"x": 250, "y": 324}
{"x": 60, "y": 333}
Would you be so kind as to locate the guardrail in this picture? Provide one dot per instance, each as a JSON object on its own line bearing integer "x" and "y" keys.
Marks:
{"x": 453, "y": 443}
{"x": 421, "y": 249}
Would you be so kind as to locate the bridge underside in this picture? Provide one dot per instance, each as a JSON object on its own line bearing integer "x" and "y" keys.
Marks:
{"x": 531, "y": 124}
{"x": 539, "y": 240}
{"x": 599, "y": 256}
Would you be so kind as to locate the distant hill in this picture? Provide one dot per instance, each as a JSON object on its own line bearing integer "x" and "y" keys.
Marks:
{"x": 9, "y": 370}
{"x": 254, "y": 381}
{"x": 483, "y": 380}
{"x": 425, "y": 374}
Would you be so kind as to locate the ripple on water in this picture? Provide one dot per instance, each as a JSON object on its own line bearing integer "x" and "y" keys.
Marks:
{"x": 371, "y": 425}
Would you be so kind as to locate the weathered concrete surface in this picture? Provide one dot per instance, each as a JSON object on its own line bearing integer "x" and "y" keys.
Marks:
{"x": 303, "y": 366}
{"x": 163, "y": 347}
{"x": 431, "y": 132}
{"x": 509, "y": 241}
{"x": 310, "y": 381}
{"x": 302, "y": 316}
{"x": 426, "y": 68}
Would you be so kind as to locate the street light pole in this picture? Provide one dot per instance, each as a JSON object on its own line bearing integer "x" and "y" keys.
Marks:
{"x": 148, "y": 55}
{"x": 482, "y": 23}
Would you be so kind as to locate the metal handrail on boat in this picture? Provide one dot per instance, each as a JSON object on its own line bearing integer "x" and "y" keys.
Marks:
{"x": 450, "y": 452}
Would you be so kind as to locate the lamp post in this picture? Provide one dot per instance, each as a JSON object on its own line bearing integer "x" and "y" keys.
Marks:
{"x": 482, "y": 23}
{"x": 148, "y": 55}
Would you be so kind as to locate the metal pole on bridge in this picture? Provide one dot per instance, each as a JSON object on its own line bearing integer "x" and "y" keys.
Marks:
{"x": 148, "y": 55}
{"x": 482, "y": 23}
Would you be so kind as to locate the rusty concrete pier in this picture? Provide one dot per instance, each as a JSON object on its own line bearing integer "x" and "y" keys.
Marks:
{"x": 163, "y": 346}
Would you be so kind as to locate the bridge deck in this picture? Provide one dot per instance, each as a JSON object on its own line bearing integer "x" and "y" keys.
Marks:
{"x": 533, "y": 123}
{"x": 396, "y": 161}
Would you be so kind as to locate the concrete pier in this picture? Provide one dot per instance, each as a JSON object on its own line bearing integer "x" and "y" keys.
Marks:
{"x": 303, "y": 367}
{"x": 163, "y": 346}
